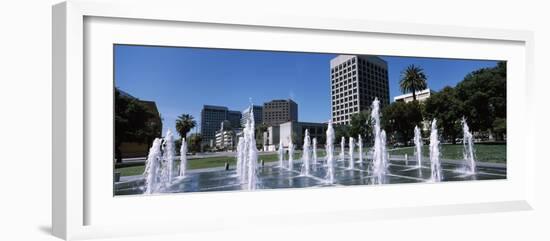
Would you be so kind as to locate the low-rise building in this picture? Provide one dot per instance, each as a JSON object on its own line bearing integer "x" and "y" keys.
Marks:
{"x": 295, "y": 131}
{"x": 421, "y": 95}
{"x": 225, "y": 139}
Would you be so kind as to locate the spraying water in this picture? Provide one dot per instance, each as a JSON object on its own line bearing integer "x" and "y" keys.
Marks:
{"x": 281, "y": 152}
{"x": 247, "y": 154}
{"x": 314, "y": 151}
{"x": 418, "y": 146}
{"x": 183, "y": 158}
{"x": 434, "y": 153}
{"x": 306, "y": 154}
{"x": 290, "y": 154}
{"x": 379, "y": 157}
{"x": 351, "y": 159}
{"x": 241, "y": 159}
{"x": 252, "y": 163}
{"x": 152, "y": 167}
{"x": 169, "y": 156}
{"x": 330, "y": 153}
{"x": 252, "y": 151}
{"x": 468, "y": 147}
{"x": 343, "y": 149}
{"x": 360, "y": 144}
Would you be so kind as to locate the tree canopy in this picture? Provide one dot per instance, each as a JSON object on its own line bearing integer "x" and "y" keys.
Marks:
{"x": 400, "y": 118}
{"x": 483, "y": 92}
{"x": 448, "y": 110}
{"x": 132, "y": 122}
{"x": 184, "y": 124}
{"x": 360, "y": 125}
{"x": 413, "y": 79}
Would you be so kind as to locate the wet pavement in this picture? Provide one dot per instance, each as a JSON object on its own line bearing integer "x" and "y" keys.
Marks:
{"x": 274, "y": 177}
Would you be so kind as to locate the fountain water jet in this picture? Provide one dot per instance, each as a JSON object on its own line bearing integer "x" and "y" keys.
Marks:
{"x": 342, "y": 149}
{"x": 183, "y": 157}
{"x": 152, "y": 167}
{"x": 314, "y": 151}
{"x": 290, "y": 154}
{"x": 360, "y": 144}
{"x": 241, "y": 159}
{"x": 251, "y": 150}
{"x": 379, "y": 156}
{"x": 468, "y": 147}
{"x": 252, "y": 163}
{"x": 169, "y": 155}
{"x": 418, "y": 146}
{"x": 330, "y": 153}
{"x": 351, "y": 159}
{"x": 247, "y": 154}
{"x": 434, "y": 153}
{"x": 306, "y": 154}
{"x": 281, "y": 152}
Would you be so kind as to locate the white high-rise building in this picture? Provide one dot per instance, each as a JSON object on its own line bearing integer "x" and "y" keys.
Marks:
{"x": 355, "y": 81}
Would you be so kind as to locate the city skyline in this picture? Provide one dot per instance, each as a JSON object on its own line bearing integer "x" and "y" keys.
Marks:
{"x": 182, "y": 80}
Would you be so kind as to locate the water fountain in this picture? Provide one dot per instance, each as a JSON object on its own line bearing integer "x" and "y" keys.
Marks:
{"x": 379, "y": 156}
{"x": 241, "y": 159}
{"x": 183, "y": 157}
{"x": 169, "y": 156}
{"x": 468, "y": 148}
{"x": 330, "y": 153}
{"x": 434, "y": 153}
{"x": 385, "y": 154}
{"x": 252, "y": 161}
{"x": 152, "y": 167}
{"x": 418, "y": 146}
{"x": 281, "y": 152}
{"x": 247, "y": 154}
{"x": 360, "y": 145}
{"x": 306, "y": 154}
{"x": 314, "y": 151}
{"x": 351, "y": 159}
{"x": 342, "y": 149}
{"x": 290, "y": 154}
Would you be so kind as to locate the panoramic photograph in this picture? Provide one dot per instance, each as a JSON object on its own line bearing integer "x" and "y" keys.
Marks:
{"x": 201, "y": 120}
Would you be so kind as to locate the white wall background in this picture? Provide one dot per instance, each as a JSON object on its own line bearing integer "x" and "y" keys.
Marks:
{"x": 25, "y": 121}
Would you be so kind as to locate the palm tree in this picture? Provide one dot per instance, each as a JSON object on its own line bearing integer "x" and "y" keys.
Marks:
{"x": 412, "y": 80}
{"x": 184, "y": 124}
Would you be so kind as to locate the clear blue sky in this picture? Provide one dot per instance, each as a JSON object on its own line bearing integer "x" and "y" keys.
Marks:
{"x": 182, "y": 80}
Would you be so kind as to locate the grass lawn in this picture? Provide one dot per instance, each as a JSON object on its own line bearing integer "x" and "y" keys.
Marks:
{"x": 208, "y": 162}
{"x": 483, "y": 152}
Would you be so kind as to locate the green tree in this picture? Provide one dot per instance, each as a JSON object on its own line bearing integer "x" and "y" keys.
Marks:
{"x": 184, "y": 124}
{"x": 483, "y": 92}
{"x": 499, "y": 128}
{"x": 413, "y": 79}
{"x": 360, "y": 125}
{"x": 194, "y": 142}
{"x": 132, "y": 122}
{"x": 341, "y": 131}
{"x": 448, "y": 110}
{"x": 399, "y": 120}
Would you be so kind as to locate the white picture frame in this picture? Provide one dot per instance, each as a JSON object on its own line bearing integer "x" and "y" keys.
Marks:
{"x": 83, "y": 204}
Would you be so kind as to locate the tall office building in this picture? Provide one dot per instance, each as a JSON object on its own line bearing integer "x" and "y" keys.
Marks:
{"x": 234, "y": 117}
{"x": 355, "y": 81}
{"x": 211, "y": 118}
{"x": 280, "y": 111}
{"x": 258, "y": 112}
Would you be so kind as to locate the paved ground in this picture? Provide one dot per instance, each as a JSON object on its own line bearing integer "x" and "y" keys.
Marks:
{"x": 272, "y": 176}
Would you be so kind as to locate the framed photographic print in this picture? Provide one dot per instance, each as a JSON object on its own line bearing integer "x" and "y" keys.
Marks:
{"x": 200, "y": 122}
